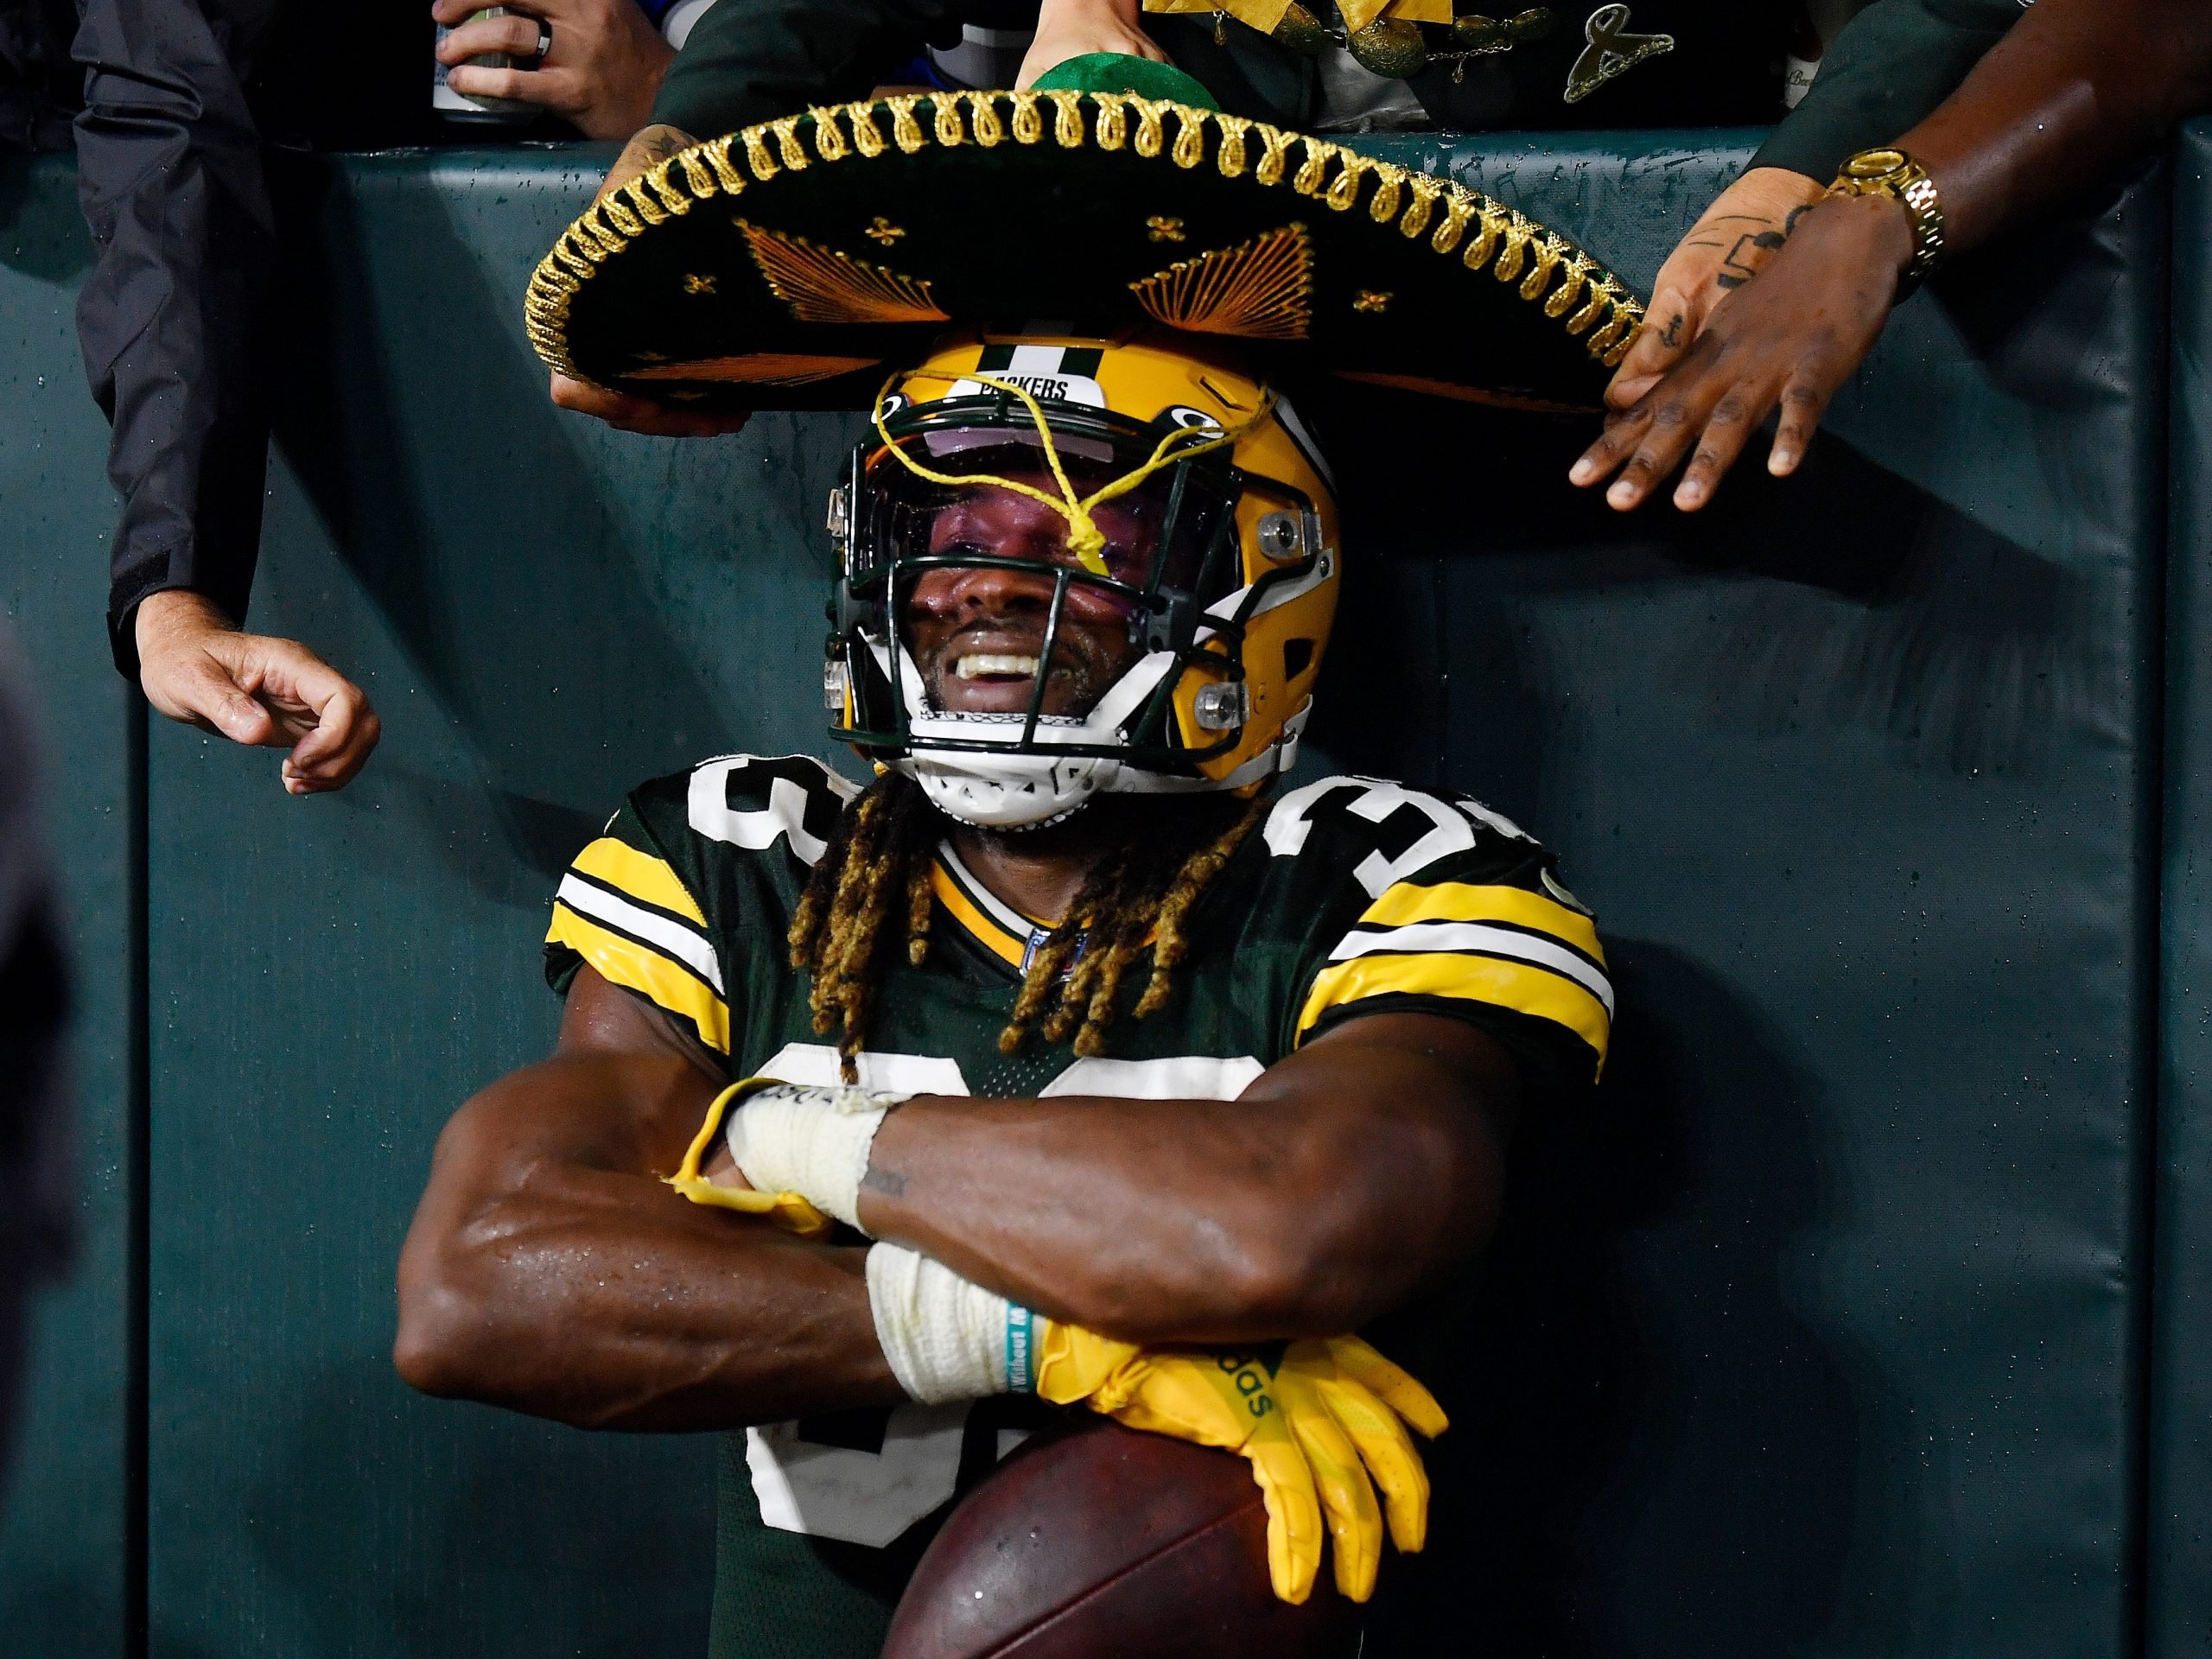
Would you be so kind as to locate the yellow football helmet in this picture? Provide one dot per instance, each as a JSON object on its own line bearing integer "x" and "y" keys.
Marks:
{"x": 1230, "y": 582}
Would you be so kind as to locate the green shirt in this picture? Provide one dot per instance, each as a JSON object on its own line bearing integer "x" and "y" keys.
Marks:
{"x": 1354, "y": 896}
{"x": 1887, "y": 70}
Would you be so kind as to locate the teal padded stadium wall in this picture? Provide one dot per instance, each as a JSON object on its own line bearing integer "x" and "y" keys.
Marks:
{"x": 2178, "y": 1624}
{"x": 1818, "y": 1331}
{"x": 67, "y": 1542}
{"x": 1821, "y": 1331}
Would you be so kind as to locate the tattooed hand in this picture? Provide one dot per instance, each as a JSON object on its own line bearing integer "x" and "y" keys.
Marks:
{"x": 1744, "y": 227}
{"x": 647, "y": 150}
{"x": 1789, "y": 340}
{"x": 620, "y": 409}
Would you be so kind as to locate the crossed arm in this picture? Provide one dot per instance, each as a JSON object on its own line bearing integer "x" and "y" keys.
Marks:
{"x": 550, "y": 1270}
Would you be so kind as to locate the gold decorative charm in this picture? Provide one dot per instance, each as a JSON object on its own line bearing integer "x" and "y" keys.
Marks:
{"x": 1152, "y": 132}
{"x": 1426, "y": 190}
{"x": 1190, "y": 138}
{"x": 716, "y": 150}
{"x": 822, "y": 285}
{"x": 1390, "y": 187}
{"x": 949, "y": 133}
{"x": 1578, "y": 271}
{"x": 759, "y": 369}
{"x": 906, "y": 131}
{"x": 828, "y": 141}
{"x": 1113, "y": 126}
{"x": 787, "y": 143}
{"x": 1346, "y": 191}
{"x": 1458, "y": 208}
{"x": 1260, "y": 289}
{"x": 1067, "y": 118}
{"x": 697, "y": 283}
{"x": 1314, "y": 172}
{"x": 1371, "y": 302}
{"x": 1231, "y": 159}
{"x": 1163, "y": 230}
{"x": 984, "y": 116}
{"x": 1609, "y": 50}
{"x": 701, "y": 183}
{"x": 883, "y": 232}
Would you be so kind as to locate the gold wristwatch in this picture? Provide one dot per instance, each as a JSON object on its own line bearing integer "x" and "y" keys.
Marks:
{"x": 1892, "y": 173}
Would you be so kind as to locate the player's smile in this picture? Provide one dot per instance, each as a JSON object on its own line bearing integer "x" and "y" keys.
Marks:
{"x": 978, "y": 634}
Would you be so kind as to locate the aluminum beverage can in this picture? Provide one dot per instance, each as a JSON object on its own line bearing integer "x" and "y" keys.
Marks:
{"x": 482, "y": 112}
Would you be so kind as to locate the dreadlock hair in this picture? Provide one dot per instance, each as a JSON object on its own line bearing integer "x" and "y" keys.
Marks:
{"x": 880, "y": 856}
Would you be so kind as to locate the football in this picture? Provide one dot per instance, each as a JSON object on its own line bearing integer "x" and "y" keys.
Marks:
{"x": 1101, "y": 1542}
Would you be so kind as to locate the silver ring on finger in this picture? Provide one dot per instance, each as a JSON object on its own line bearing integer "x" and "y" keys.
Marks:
{"x": 537, "y": 60}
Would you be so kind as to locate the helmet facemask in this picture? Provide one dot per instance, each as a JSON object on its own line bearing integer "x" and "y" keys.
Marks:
{"x": 1113, "y": 549}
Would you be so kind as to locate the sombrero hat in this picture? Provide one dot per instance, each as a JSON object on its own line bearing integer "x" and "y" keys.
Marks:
{"x": 793, "y": 264}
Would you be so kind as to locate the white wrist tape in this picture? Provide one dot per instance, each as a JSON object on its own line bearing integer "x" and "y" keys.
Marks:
{"x": 946, "y": 1338}
{"x": 814, "y": 1142}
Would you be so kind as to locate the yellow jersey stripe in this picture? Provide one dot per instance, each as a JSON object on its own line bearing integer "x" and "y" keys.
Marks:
{"x": 1461, "y": 901}
{"x": 1416, "y": 938}
{"x": 635, "y": 967}
{"x": 641, "y": 875}
{"x": 977, "y": 921}
{"x": 1514, "y": 985}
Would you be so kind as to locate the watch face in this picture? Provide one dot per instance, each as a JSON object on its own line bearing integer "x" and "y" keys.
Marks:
{"x": 1874, "y": 163}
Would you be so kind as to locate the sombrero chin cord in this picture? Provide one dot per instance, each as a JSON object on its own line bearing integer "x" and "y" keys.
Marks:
{"x": 1085, "y": 539}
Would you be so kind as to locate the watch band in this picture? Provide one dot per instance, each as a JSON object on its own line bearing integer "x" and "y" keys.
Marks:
{"x": 1892, "y": 173}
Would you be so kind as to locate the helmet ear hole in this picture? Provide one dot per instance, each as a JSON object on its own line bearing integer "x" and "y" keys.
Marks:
{"x": 1297, "y": 657}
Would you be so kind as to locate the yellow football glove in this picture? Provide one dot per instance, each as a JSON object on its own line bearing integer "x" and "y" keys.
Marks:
{"x": 1310, "y": 1447}
{"x": 785, "y": 1209}
{"x": 1349, "y": 1408}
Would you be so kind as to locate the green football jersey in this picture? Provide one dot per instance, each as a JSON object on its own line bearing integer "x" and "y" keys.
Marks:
{"x": 1355, "y": 896}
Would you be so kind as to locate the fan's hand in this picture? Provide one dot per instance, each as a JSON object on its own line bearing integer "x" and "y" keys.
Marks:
{"x": 195, "y": 665}
{"x": 625, "y": 412}
{"x": 1788, "y": 339}
{"x": 1074, "y": 28}
{"x": 1733, "y": 241}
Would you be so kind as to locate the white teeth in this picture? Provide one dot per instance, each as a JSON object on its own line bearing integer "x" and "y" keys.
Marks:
{"x": 977, "y": 663}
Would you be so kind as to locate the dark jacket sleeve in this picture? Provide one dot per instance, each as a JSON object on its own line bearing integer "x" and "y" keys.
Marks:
{"x": 1884, "y": 74}
{"x": 170, "y": 176}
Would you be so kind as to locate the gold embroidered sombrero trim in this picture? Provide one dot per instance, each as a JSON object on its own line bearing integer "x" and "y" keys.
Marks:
{"x": 1545, "y": 267}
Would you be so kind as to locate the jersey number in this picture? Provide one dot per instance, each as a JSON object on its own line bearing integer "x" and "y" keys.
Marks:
{"x": 1448, "y": 832}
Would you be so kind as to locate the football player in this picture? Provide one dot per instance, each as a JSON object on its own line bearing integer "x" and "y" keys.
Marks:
{"x": 1070, "y": 1057}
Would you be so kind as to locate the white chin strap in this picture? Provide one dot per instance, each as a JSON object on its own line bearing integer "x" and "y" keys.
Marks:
{"x": 1028, "y": 791}
{"x": 1010, "y": 792}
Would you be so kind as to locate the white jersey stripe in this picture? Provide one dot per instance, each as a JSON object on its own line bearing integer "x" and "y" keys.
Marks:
{"x": 997, "y": 908}
{"x": 1418, "y": 937}
{"x": 666, "y": 934}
